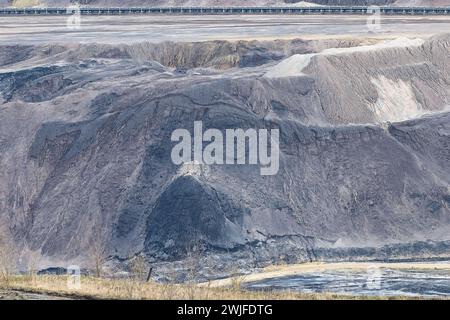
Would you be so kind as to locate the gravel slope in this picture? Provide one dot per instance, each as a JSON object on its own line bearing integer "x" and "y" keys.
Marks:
{"x": 85, "y": 148}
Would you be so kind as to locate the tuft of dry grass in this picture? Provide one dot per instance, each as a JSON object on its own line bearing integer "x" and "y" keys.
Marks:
{"x": 8, "y": 255}
{"x": 96, "y": 288}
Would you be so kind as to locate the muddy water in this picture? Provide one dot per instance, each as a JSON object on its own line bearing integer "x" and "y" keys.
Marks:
{"x": 385, "y": 282}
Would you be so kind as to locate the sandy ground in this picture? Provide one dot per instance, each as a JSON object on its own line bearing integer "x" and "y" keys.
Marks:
{"x": 295, "y": 269}
{"x": 123, "y": 29}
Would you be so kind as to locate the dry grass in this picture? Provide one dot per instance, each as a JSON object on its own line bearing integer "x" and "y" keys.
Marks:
{"x": 8, "y": 255}
{"x": 225, "y": 289}
{"x": 95, "y": 288}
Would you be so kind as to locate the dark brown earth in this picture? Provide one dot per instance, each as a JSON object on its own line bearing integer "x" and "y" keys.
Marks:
{"x": 19, "y": 295}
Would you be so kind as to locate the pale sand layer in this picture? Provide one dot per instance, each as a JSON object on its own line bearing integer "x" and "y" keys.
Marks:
{"x": 296, "y": 269}
{"x": 129, "y": 29}
{"x": 294, "y": 65}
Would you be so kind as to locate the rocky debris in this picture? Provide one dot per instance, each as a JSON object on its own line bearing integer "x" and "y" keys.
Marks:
{"x": 85, "y": 149}
{"x": 207, "y": 266}
{"x": 402, "y": 252}
{"x": 209, "y": 54}
{"x": 54, "y": 271}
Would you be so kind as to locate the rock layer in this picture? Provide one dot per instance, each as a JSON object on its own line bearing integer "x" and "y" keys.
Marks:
{"x": 85, "y": 147}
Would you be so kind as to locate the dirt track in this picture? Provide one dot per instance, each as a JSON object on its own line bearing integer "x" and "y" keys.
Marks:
{"x": 19, "y": 295}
